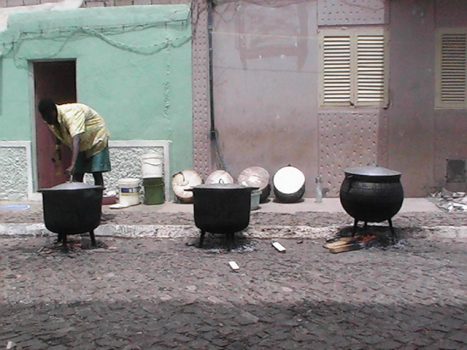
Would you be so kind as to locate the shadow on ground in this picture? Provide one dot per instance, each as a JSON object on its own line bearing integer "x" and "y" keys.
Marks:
{"x": 212, "y": 324}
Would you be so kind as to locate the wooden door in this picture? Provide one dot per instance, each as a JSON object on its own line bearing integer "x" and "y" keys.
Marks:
{"x": 55, "y": 80}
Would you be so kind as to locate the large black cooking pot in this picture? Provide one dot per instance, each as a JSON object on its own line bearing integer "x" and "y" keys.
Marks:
{"x": 72, "y": 208}
{"x": 221, "y": 208}
{"x": 371, "y": 194}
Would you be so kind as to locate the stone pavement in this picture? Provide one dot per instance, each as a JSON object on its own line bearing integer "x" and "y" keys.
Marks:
{"x": 154, "y": 293}
{"x": 150, "y": 293}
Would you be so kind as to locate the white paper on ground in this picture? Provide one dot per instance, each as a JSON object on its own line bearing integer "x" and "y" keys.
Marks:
{"x": 233, "y": 265}
{"x": 118, "y": 206}
{"x": 279, "y": 247}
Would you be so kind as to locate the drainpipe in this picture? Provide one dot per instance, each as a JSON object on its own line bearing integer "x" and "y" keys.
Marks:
{"x": 213, "y": 133}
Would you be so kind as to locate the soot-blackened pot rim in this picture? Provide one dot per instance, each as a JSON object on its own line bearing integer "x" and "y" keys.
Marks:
{"x": 221, "y": 187}
{"x": 372, "y": 171}
{"x": 71, "y": 186}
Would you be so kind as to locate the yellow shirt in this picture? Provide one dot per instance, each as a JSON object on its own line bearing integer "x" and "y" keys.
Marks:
{"x": 79, "y": 119}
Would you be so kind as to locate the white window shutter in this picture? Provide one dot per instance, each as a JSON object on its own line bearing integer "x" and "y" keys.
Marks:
{"x": 370, "y": 75}
{"x": 453, "y": 71}
{"x": 353, "y": 67}
{"x": 336, "y": 70}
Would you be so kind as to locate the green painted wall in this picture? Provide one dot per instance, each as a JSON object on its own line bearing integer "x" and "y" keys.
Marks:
{"x": 133, "y": 66}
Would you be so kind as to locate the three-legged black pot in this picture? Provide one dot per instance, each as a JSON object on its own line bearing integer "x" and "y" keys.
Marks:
{"x": 221, "y": 208}
{"x": 372, "y": 194}
{"x": 72, "y": 208}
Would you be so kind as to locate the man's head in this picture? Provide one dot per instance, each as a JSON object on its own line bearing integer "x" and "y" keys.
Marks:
{"x": 48, "y": 110}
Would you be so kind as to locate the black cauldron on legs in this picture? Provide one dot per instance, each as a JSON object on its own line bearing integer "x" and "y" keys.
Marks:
{"x": 72, "y": 208}
{"x": 221, "y": 208}
{"x": 372, "y": 194}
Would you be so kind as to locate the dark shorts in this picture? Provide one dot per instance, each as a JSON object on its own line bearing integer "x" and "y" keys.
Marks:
{"x": 98, "y": 163}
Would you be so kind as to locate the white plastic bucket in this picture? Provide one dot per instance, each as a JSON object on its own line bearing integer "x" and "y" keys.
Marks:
{"x": 129, "y": 191}
{"x": 152, "y": 164}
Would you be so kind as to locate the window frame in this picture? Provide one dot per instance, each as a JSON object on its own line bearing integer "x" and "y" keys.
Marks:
{"x": 354, "y": 33}
{"x": 439, "y": 102}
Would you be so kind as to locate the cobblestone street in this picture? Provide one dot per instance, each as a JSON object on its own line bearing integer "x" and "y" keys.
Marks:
{"x": 168, "y": 294}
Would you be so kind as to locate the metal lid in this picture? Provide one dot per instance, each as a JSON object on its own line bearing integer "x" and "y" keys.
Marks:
{"x": 254, "y": 176}
{"x": 222, "y": 187}
{"x": 288, "y": 180}
{"x": 71, "y": 186}
{"x": 219, "y": 176}
{"x": 371, "y": 171}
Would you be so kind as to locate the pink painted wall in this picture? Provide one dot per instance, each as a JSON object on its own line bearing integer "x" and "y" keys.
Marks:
{"x": 450, "y": 126}
{"x": 266, "y": 73}
{"x": 411, "y": 111}
{"x": 265, "y": 60}
{"x": 265, "y": 92}
{"x": 420, "y": 138}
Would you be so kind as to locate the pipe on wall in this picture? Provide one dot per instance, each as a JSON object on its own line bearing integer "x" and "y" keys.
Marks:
{"x": 213, "y": 133}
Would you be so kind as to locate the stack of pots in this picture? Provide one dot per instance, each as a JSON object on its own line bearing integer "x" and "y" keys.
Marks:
{"x": 153, "y": 181}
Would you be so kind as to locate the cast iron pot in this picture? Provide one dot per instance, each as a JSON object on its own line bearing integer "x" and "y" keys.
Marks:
{"x": 221, "y": 208}
{"x": 371, "y": 194}
{"x": 72, "y": 208}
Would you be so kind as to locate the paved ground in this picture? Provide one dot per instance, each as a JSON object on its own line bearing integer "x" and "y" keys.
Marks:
{"x": 168, "y": 294}
{"x": 150, "y": 293}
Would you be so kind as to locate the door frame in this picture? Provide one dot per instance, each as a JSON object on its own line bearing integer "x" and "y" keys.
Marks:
{"x": 35, "y": 194}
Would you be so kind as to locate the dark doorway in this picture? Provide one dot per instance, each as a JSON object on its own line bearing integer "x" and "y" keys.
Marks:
{"x": 55, "y": 80}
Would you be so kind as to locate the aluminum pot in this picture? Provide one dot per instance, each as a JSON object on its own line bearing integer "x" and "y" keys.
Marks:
{"x": 371, "y": 194}
{"x": 219, "y": 177}
{"x": 184, "y": 180}
{"x": 221, "y": 208}
{"x": 72, "y": 207}
{"x": 256, "y": 176}
{"x": 288, "y": 184}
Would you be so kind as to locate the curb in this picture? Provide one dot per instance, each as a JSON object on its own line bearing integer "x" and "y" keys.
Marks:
{"x": 258, "y": 231}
